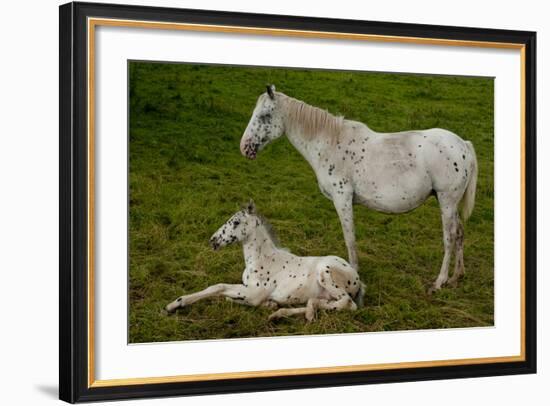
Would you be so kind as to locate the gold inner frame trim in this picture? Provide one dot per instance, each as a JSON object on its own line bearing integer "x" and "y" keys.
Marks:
{"x": 94, "y": 22}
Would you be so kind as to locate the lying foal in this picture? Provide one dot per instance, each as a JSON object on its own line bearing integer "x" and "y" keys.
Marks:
{"x": 274, "y": 277}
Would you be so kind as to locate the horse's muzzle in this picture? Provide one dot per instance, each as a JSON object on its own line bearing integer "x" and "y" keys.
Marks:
{"x": 249, "y": 149}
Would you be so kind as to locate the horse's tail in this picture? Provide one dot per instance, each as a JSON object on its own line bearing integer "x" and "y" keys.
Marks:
{"x": 469, "y": 198}
{"x": 359, "y": 296}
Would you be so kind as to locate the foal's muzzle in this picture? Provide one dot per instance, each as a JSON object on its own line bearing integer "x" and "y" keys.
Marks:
{"x": 214, "y": 243}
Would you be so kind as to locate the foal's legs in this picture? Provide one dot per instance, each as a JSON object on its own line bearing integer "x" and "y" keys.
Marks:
{"x": 339, "y": 304}
{"x": 341, "y": 298}
{"x": 344, "y": 207}
{"x": 270, "y": 304}
{"x": 308, "y": 311}
{"x": 450, "y": 221}
{"x": 312, "y": 305}
{"x": 236, "y": 292}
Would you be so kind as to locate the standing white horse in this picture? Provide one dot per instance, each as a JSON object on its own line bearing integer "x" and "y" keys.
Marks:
{"x": 387, "y": 172}
{"x": 273, "y": 276}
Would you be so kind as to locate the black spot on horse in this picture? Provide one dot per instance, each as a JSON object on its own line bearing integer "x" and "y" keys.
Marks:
{"x": 265, "y": 118}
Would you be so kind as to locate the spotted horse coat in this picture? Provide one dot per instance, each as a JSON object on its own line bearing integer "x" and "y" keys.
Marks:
{"x": 387, "y": 172}
{"x": 275, "y": 277}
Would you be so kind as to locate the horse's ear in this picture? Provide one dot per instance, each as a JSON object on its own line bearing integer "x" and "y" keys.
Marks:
{"x": 270, "y": 91}
{"x": 251, "y": 207}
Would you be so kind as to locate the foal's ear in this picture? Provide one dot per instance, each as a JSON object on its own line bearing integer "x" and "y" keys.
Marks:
{"x": 251, "y": 207}
{"x": 270, "y": 91}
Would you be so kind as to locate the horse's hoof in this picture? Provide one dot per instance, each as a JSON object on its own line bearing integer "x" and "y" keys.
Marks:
{"x": 432, "y": 290}
{"x": 275, "y": 315}
{"x": 172, "y": 307}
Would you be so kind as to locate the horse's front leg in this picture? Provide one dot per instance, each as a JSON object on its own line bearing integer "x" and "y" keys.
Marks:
{"x": 270, "y": 304}
{"x": 237, "y": 292}
{"x": 344, "y": 206}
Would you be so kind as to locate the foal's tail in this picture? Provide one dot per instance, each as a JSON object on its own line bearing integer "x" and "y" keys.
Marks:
{"x": 359, "y": 296}
{"x": 469, "y": 198}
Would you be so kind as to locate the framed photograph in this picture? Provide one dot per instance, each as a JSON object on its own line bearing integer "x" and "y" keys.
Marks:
{"x": 256, "y": 202}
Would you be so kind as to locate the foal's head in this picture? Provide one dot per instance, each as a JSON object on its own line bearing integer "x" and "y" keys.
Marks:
{"x": 265, "y": 125}
{"x": 237, "y": 228}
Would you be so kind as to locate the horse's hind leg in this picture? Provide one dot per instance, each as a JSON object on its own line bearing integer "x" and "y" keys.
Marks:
{"x": 308, "y": 311}
{"x": 459, "y": 255}
{"x": 341, "y": 299}
{"x": 449, "y": 219}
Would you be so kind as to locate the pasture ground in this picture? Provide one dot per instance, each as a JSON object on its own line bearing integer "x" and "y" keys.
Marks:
{"x": 187, "y": 176}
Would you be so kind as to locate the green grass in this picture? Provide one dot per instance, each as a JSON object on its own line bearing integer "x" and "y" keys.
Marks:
{"x": 187, "y": 177}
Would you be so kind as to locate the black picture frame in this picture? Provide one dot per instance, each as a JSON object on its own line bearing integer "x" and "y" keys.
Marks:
{"x": 73, "y": 256}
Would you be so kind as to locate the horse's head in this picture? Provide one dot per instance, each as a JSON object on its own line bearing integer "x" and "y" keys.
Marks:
{"x": 237, "y": 228}
{"x": 265, "y": 125}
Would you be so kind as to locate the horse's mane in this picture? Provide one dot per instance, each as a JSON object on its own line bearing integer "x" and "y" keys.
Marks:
{"x": 310, "y": 120}
{"x": 269, "y": 230}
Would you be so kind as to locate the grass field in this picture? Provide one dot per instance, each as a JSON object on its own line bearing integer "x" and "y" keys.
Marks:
{"x": 187, "y": 177}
